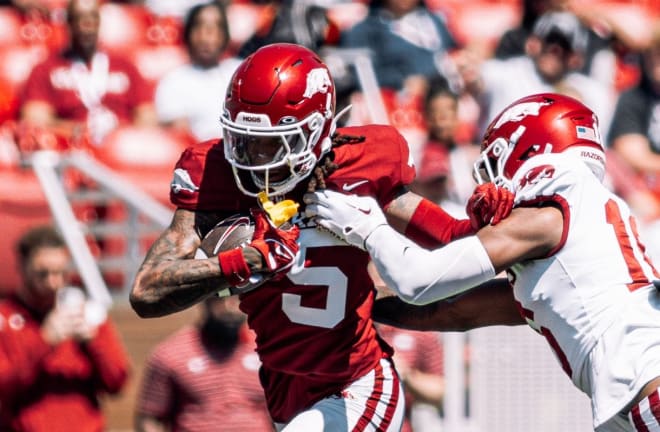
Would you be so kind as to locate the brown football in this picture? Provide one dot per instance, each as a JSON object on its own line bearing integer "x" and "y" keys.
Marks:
{"x": 235, "y": 231}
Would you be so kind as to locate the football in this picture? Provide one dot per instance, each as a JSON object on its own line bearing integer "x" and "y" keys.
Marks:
{"x": 235, "y": 231}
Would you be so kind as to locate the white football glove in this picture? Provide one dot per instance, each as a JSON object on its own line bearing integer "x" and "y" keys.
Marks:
{"x": 350, "y": 217}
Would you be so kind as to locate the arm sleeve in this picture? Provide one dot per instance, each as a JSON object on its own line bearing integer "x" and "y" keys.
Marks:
{"x": 420, "y": 276}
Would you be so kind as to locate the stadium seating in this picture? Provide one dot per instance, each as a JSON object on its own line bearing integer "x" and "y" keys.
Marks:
{"x": 22, "y": 205}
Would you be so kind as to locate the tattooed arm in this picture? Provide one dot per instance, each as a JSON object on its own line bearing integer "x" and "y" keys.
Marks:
{"x": 170, "y": 279}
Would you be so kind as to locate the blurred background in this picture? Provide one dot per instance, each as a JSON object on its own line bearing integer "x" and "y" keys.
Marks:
{"x": 90, "y": 146}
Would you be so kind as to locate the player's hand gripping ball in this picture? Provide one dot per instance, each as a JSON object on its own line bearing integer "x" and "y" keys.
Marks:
{"x": 233, "y": 232}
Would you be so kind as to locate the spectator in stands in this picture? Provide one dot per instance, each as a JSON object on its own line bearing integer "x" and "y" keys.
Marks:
{"x": 300, "y": 22}
{"x": 408, "y": 43}
{"x": 83, "y": 89}
{"x": 609, "y": 38}
{"x": 512, "y": 43}
{"x": 187, "y": 99}
{"x": 305, "y": 23}
{"x": 58, "y": 353}
{"x": 27, "y": 7}
{"x": 635, "y": 132}
{"x": 441, "y": 115}
{"x": 205, "y": 377}
{"x": 172, "y": 8}
{"x": 432, "y": 178}
{"x": 554, "y": 52}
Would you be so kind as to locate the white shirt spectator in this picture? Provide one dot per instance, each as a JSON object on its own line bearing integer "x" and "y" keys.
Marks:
{"x": 196, "y": 94}
{"x": 174, "y": 8}
{"x": 508, "y": 80}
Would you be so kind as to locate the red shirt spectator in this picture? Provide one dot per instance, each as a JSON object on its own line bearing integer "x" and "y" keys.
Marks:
{"x": 72, "y": 86}
{"x": 54, "y": 361}
{"x": 84, "y": 88}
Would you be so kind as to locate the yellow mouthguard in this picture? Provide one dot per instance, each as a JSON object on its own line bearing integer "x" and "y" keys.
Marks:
{"x": 278, "y": 213}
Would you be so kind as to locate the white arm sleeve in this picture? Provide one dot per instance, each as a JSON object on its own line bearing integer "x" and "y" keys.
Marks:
{"x": 420, "y": 276}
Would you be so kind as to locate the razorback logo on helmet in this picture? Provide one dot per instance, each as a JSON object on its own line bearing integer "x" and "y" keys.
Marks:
{"x": 536, "y": 174}
{"x": 182, "y": 182}
{"x": 318, "y": 81}
{"x": 520, "y": 111}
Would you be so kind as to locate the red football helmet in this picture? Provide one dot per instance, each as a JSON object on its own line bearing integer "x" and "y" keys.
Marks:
{"x": 538, "y": 124}
{"x": 281, "y": 96}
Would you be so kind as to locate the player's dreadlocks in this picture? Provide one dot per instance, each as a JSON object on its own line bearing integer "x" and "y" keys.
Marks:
{"x": 326, "y": 165}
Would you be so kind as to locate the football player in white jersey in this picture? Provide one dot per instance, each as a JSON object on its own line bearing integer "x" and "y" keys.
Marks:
{"x": 577, "y": 271}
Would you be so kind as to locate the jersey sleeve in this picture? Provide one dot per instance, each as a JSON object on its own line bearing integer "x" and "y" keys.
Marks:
{"x": 547, "y": 178}
{"x": 403, "y": 167}
{"x": 203, "y": 181}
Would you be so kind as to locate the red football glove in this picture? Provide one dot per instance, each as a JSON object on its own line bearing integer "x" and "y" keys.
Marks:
{"x": 277, "y": 245}
{"x": 489, "y": 204}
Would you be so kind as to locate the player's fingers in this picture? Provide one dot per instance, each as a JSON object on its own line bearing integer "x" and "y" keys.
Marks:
{"x": 505, "y": 203}
{"x": 319, "y": 197}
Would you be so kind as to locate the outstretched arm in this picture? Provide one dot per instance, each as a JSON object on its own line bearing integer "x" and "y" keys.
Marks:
{"x": 491, "y": 303}
{"x": 422, "y": 276}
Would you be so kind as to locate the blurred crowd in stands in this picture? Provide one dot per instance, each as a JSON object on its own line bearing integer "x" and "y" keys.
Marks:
{"x": 134, "y": 82}
{"x": 74, "y": 73}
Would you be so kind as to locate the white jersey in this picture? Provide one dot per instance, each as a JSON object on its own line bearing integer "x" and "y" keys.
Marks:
{"x": 592, "y": 297}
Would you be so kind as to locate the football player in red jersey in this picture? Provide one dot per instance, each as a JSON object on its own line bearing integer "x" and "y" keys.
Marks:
{"x": 578, "y": 271}
{"x": 323, "y": 365}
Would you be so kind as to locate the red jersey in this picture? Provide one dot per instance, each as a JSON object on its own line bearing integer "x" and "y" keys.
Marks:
{"x": 73, "y": 87}
{"x": 197, "y": 387}
{"x": 314, "y": 329}
{"x": 54, "y": 389}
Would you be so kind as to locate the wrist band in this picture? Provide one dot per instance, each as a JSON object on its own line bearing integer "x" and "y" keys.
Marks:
{"x": 234, "y": 267}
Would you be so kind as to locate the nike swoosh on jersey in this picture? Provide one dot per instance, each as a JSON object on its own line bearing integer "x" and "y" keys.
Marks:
{"x": 349, "y": 187}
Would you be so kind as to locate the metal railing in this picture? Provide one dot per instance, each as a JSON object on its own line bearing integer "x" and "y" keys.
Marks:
{"x": 145, "y": 215}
